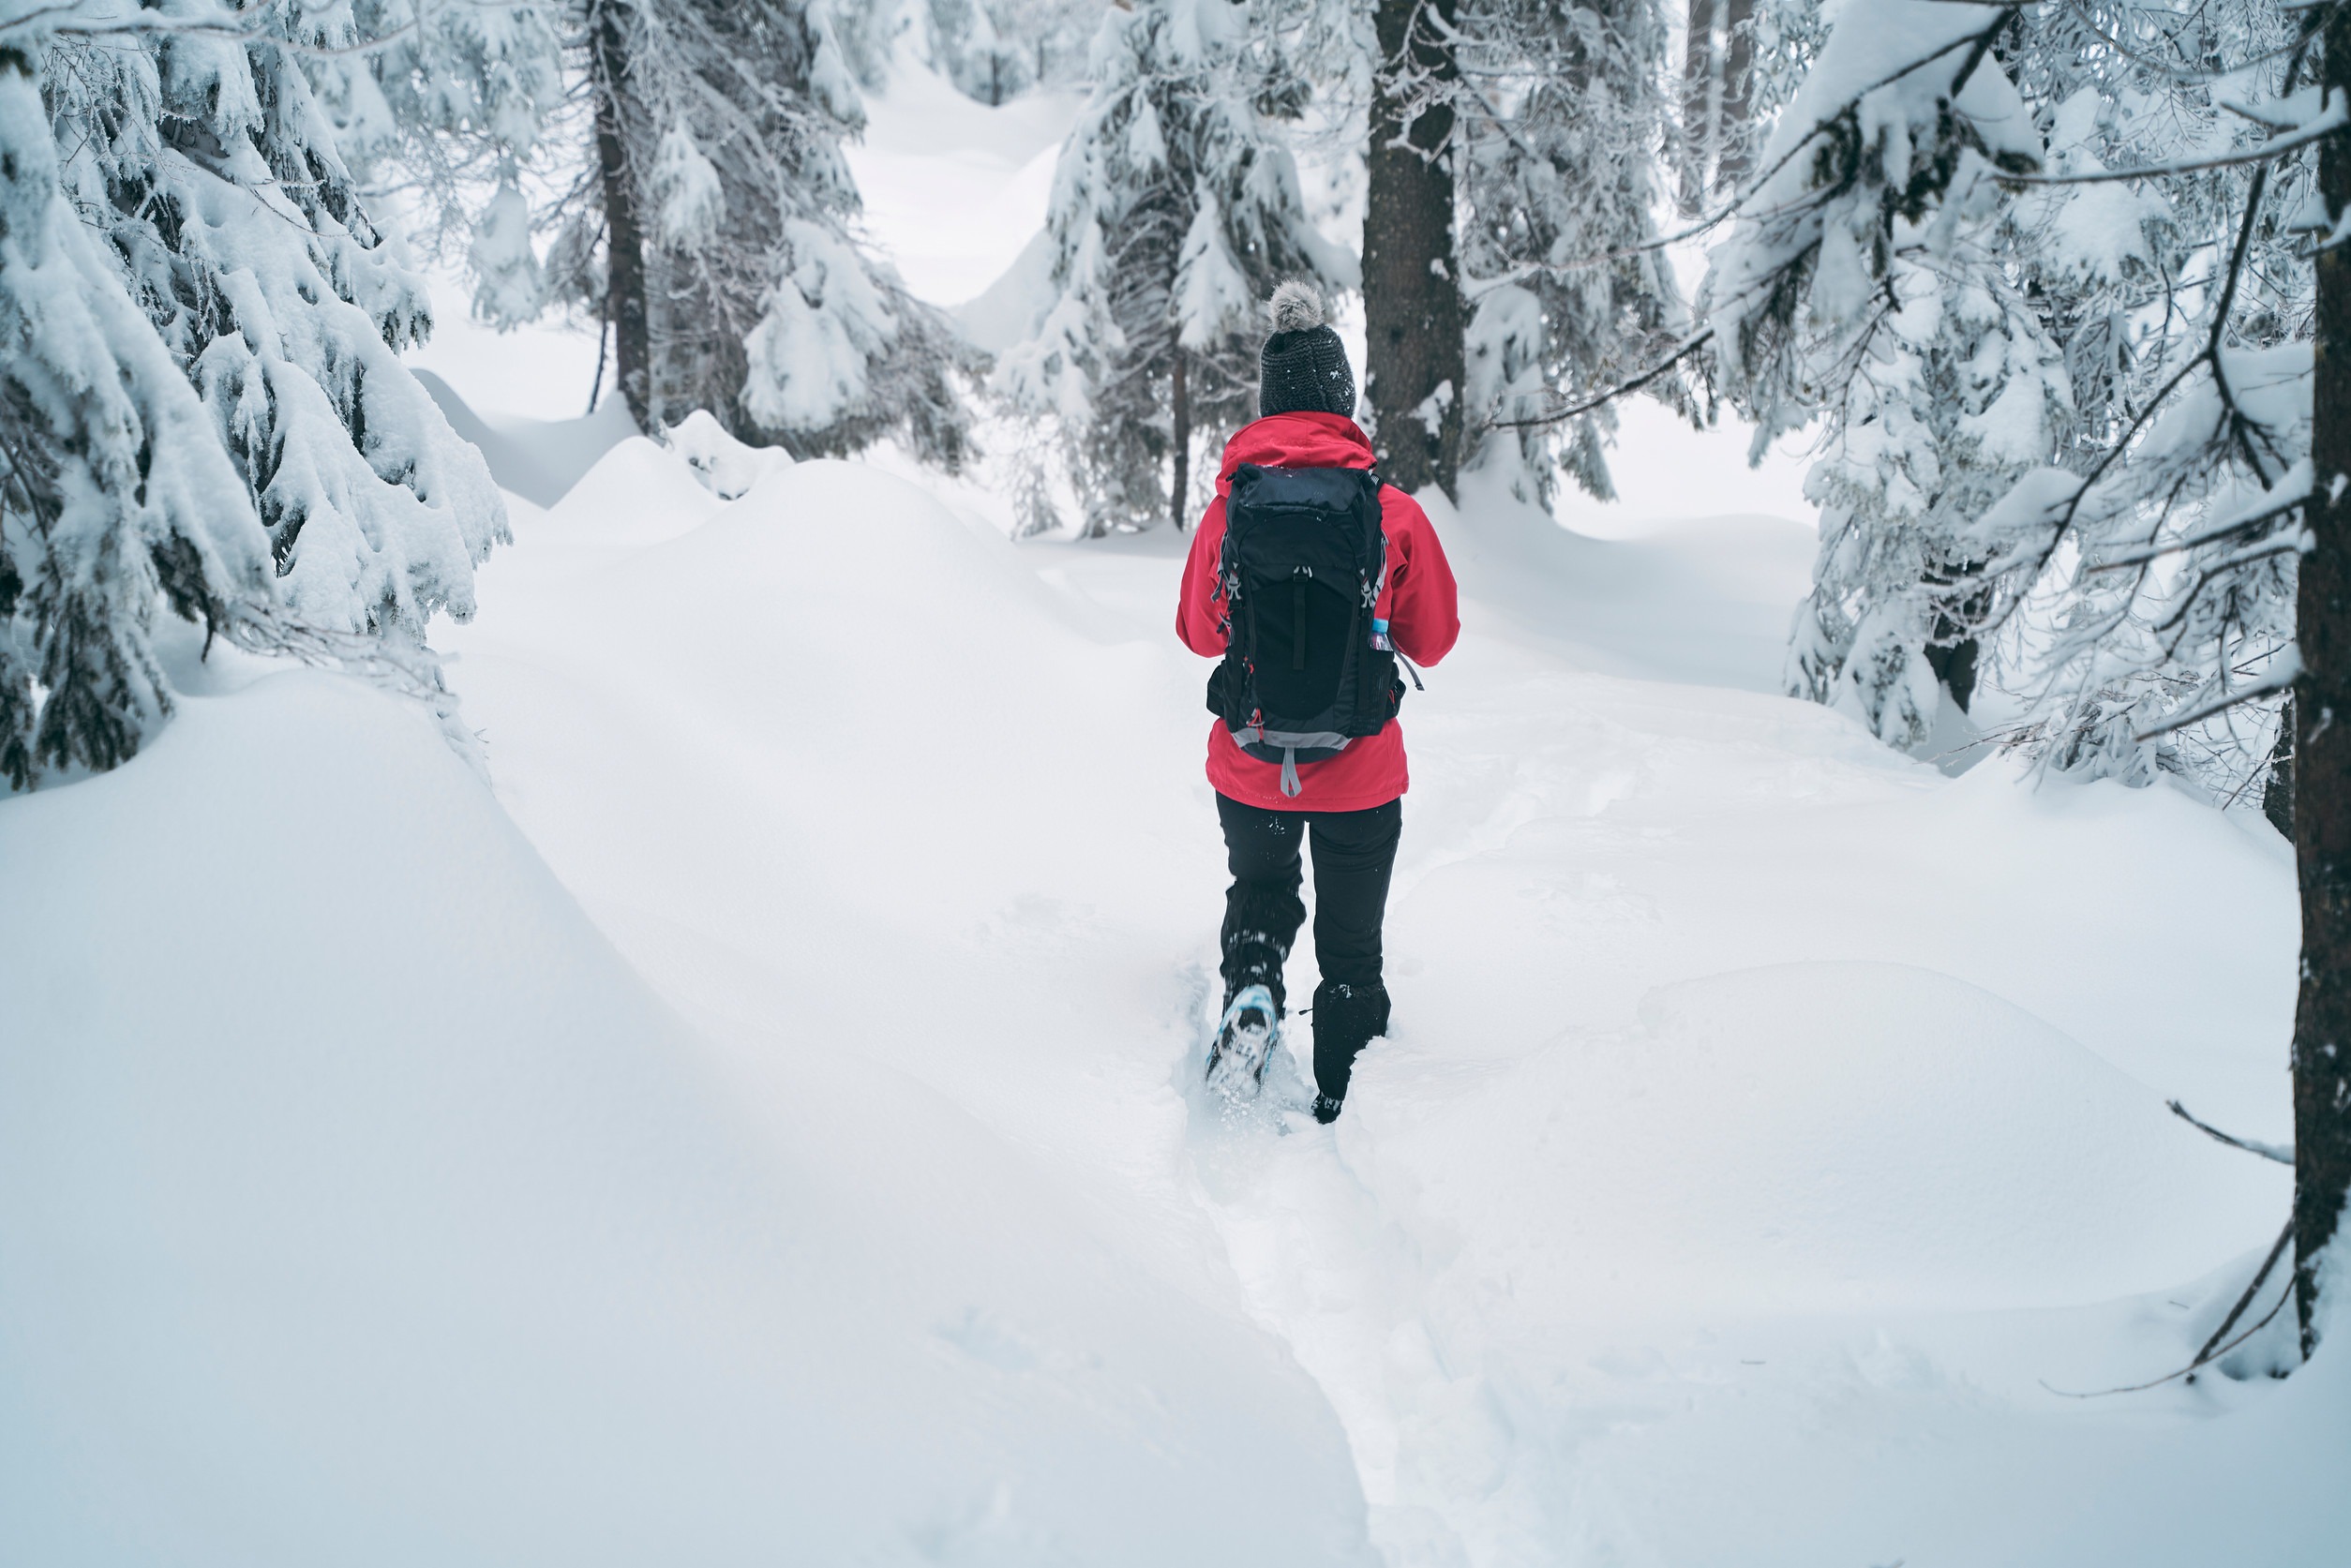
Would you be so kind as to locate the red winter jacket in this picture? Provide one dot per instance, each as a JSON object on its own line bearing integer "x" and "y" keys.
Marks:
{"x": 1418, "y": 603}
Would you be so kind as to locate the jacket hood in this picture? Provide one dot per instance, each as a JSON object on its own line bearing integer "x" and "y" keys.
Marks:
{"x": 1304, "y": 440}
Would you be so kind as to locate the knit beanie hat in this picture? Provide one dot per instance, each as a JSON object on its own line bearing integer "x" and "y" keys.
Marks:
{"x": 1303, "y": 365}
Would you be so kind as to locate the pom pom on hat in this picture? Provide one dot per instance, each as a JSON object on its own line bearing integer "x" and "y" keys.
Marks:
{"x": 1296, "y": 306}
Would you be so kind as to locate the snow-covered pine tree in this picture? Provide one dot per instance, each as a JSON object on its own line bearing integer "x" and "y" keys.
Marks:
{"x": 1961, "y": 323}
{"x": 966, "y": 49}
{"x": 1051, "y": 37}
{"x": 2192, "y": 405}
{"x": 116, "y": 497}
{"x": 214, "y": 175}
{"x": 1561, "y": 124}
{"x": 1934, "y": 384}
{"x": 1175, "y": 210}
{"x": 992, "y": 49}
{"x": 720, "y": 128}
{"x": 446, "y": 106}
{"x": 1945, "y": 407}
{"x": 204, "y": 407}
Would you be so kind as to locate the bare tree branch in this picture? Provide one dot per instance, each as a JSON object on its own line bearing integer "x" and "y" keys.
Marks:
{"x": 2266, "y": 1151}
{"x": 1688, "y": 347}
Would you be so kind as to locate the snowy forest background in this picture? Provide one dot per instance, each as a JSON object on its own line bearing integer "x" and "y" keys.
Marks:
{"x": 2045, "y": 292}
{"x": 2004, "y": 274}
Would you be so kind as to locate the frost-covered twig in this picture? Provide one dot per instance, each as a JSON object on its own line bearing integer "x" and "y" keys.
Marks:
{"x": 2140, "y": 555}
{"x": 2280, "y": 677}
{"x": 2327, "y": 124}
{"x": 2191, "y": 76}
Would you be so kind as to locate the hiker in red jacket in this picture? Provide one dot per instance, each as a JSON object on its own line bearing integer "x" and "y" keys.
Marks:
{"x": 1309, "y": 590}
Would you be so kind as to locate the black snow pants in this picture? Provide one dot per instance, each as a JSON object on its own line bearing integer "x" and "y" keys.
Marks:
{"x": 1354, "y": 853}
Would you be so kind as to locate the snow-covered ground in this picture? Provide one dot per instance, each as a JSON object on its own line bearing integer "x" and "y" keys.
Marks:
{"x": 759, "y": 1123}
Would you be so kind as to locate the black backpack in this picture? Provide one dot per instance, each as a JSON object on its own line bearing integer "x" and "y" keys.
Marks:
{"x": 1305, "y": 668}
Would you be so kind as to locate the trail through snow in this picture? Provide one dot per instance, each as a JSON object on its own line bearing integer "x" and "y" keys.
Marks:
{"x": 1750, "y": 1084}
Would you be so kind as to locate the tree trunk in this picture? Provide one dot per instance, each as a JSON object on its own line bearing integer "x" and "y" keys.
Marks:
{"x": 1950, "y": 653}
{"x": 1697, "y": 102}
{"x": 1411, "y": 295}
{"x": 2322, "y": 755}
{"x": 2277, "y": 790}
{"x": 1955, "y": 667}
{"x": 604, "y": 342}
{"x": 1734, "y": 104}
{"x": 624, "y": 241}
{"x": 1717, "y": 91}
{"x": 1179, "y": 406}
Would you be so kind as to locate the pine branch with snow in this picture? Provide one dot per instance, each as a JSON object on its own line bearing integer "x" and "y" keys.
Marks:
{"x": 2038, "y": 386}
{"x": 760, "y": 302}
{"x": 206, "y": 412}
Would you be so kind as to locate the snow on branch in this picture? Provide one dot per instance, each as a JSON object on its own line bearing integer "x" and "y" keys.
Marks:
{"x": 2283, "y": 1155}
{"x": 2326, "y": 124}
{"x": 2048, "y": 310}
{"x": 2280, "y": 678}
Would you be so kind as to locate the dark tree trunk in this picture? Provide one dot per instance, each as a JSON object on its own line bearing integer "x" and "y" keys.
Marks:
{"x": 2322, "y": 756}
{"x": 1179, "y": 412}
{"x": 604, "y": 342}
{"x": 1412, "y": 294}
{"x": 1951, "y": 653}
{"x": 1955, "y": 667}
{"x": 2277, "y": 790}
{"x": 624, "y": 241}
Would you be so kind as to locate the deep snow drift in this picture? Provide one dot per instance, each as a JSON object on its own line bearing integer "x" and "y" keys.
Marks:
{"x": 362, "y": 1207}
{"x": 1747, "y": 1151}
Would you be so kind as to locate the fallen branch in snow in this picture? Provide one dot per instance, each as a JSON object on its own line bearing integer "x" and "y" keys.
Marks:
{"x": 2277, "y": 1250}
{"x": 2214, "y": 1350}
{"x": 2266, "y": 1151}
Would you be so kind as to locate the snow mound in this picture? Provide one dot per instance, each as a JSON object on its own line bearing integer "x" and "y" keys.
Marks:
{"x": 359, "y": 1205}
{"x": 726, "y": 467}
{"x": 1817, "y": 1136}
{"x": 644, "y": 495}
{"x": 538, "y": 459}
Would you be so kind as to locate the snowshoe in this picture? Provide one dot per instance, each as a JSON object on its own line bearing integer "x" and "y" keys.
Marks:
{"x": 1244, "y": 1043}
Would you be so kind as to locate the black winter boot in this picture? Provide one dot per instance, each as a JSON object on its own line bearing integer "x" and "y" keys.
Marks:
{"x": 1346, "y": 1018}
{"x": 1260, "y": 923}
